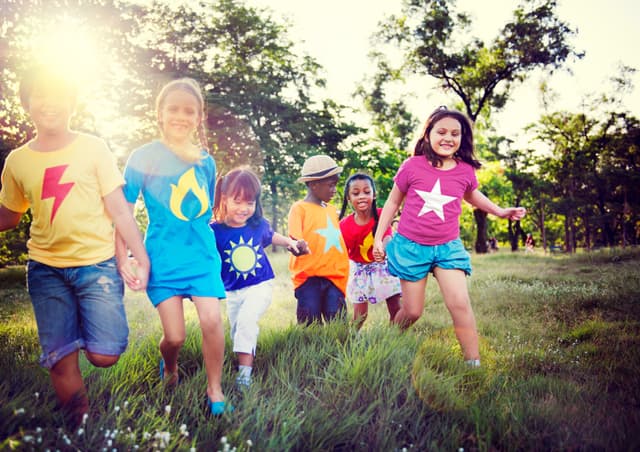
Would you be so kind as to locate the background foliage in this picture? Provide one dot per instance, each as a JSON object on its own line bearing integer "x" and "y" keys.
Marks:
{"x": 579, "y": 179}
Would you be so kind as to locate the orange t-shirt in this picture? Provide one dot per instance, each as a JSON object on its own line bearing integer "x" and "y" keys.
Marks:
{"x": 328, "y": 258}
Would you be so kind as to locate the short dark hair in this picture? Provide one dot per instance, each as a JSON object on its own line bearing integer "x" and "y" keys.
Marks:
{"x": 41, "y": 75}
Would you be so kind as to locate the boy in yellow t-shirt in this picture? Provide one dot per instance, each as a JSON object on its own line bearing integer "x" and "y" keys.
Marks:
{"x": 320, "y": 277}
{"x": 73, "y": 187}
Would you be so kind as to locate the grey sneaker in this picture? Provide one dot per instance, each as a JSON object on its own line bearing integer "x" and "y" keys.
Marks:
{"x": 243, "y": 382}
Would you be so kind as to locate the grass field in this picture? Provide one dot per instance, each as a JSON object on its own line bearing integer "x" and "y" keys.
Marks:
{"x": 561, "y": 371}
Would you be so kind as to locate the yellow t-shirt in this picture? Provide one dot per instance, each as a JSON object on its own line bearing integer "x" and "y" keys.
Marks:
{"x": 318, "y": 226}
{"x": 64, "y": 189}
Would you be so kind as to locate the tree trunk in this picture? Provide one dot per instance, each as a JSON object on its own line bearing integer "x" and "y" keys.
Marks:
{"x": 543, "y": 229}
{"x": 481, "y": 236}
{"x": 274, "y": 210}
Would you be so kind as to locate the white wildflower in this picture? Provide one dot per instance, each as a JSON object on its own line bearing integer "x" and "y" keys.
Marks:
{"x": 223, "y": 440}
{"x": 167, "y": 409}
{"x": 116, "y": 409}
{"x": 85, "y": 416}
{"x": 163, "y": 437}
{"x": 27, "y": 438}
{"x": 249, "y": 443}
{"x": 18, "y": 411}
{"x": 80, "y": 431}
{"x": 36, "y": 394}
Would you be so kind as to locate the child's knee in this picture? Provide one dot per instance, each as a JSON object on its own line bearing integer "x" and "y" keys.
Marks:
{"x": 100, "y": 360}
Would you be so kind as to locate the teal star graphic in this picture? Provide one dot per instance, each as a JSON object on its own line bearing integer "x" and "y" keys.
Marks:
{"x": 331, "y": 235}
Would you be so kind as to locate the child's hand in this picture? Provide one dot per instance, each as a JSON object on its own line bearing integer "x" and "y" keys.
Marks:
{"x": 378, "y": 251}
{"x": 514, "y": 213}
{"x": 298, "y": 247}
{"x": 134, "y": 275}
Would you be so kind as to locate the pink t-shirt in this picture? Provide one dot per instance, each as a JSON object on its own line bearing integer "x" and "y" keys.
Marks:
{"x": 432, "y": 205}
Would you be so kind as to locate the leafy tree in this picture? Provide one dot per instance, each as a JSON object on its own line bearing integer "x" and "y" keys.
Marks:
{"x": 433, "y": 40}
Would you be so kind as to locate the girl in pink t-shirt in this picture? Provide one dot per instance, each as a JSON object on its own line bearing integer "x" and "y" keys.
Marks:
{"x": 432, "y": 185}
{"x": 369, "y": 281}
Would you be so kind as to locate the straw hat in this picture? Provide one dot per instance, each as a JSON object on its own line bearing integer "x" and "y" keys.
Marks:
{"x": 319, "y": 167}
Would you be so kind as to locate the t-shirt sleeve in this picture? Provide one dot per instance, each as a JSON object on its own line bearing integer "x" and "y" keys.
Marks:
{"x": 267, "y": 233}
{"x": 401, "y": 178}
{"x": 107, "y": 172}
{"x": 212, "y": 181}
{"x": 134, "y": 177}
{"x": 11, "y": 195}
{"x": 296, "y": 217}
{"x": 473, "y": 180}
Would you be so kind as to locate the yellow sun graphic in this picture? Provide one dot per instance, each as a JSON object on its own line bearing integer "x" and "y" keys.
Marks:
{"x": 243, "y": 257}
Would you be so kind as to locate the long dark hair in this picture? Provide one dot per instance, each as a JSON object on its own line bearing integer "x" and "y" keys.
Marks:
{"x": 345, "y": 198}
{"x": 240, "y": 183}
{"x": 466, "y": 151}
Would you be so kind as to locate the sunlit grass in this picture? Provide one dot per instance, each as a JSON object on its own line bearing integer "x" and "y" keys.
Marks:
{"x": 559, "y": 341}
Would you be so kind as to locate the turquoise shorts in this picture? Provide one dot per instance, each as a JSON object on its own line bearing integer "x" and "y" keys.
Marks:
{"x": 411, "y": 261}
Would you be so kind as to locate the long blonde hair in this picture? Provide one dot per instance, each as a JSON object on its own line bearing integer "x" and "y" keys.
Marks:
{"x": 191, "y": 86}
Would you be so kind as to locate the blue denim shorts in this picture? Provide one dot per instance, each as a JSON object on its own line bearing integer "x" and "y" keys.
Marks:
{"x": 412, "y": 261}
{"x": 319, "y": 298}
{"x": 78, "y": 307}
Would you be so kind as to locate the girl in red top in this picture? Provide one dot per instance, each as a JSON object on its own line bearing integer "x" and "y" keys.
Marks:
{"x": 369, "y": 281}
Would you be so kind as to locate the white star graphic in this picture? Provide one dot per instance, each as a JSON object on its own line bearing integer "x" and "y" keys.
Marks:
{"x": 434, "y": 200}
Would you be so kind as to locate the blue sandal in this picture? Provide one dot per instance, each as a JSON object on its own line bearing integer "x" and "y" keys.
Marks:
{"x": 220, "y": 407}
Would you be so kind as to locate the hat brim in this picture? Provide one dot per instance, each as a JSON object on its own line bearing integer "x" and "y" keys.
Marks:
{"x": 332, "y": 172}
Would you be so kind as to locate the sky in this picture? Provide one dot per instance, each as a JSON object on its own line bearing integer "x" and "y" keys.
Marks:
{"x": 337, "y": 34}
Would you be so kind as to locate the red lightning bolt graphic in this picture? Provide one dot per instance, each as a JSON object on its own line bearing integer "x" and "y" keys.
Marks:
{"x": 52, "y": 188}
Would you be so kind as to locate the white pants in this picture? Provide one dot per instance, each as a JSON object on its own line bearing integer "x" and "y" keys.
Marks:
{"x": 244, "y": 308}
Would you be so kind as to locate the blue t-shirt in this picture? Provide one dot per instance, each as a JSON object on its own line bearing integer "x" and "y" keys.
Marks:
{"x": 244, "y": 261}
{"x": 178, "y": 197}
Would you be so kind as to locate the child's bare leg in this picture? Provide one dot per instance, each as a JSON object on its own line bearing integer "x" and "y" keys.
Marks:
{"x": 453, "y": 286}
{"x": 245, "y": 359}
{"x": 100, "y": 360}
{"x": 212, "y": 344}
{"x": 412, "y": 302}
{"x": 393, "y": 306}
{"x": 173, "y": 328}
{"x": 69, "y": 387}
{"x": 360, "y": 312}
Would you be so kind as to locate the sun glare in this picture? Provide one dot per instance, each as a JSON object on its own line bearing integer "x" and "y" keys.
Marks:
{"x": 70, "y": 49}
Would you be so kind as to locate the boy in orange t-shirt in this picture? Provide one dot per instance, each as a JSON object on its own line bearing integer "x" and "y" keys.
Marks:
{"x": 320, "y": 277}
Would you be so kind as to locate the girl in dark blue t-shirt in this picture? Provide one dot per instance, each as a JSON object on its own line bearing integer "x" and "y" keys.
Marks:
{"x": 242, "y": 233}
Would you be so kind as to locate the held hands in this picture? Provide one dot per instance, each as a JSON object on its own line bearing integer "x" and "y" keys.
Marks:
{"x": 378, "y": 251}
{"x": 134, "y": 274}
{"x": 298, "y": 247}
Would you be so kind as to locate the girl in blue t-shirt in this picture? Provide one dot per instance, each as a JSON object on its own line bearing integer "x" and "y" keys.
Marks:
{"x": 175, "y": 176}
{"x": 242, "y": 233}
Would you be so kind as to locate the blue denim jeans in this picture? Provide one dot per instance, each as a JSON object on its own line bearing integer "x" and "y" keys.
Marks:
{"x": 78, "y": 307}
{"x": 319, "y": 298}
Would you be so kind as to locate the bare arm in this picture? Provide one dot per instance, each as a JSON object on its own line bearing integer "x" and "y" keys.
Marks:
{"x": 135, "y": 274}
{"x": 296, "y": 247}
{"x": 8, "y": 218}
{"x": 389, "y": 211}
{"x": 480, "y": 201}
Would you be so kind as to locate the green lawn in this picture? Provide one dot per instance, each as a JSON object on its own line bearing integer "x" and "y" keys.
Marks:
{"x": 560, "y": 340}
